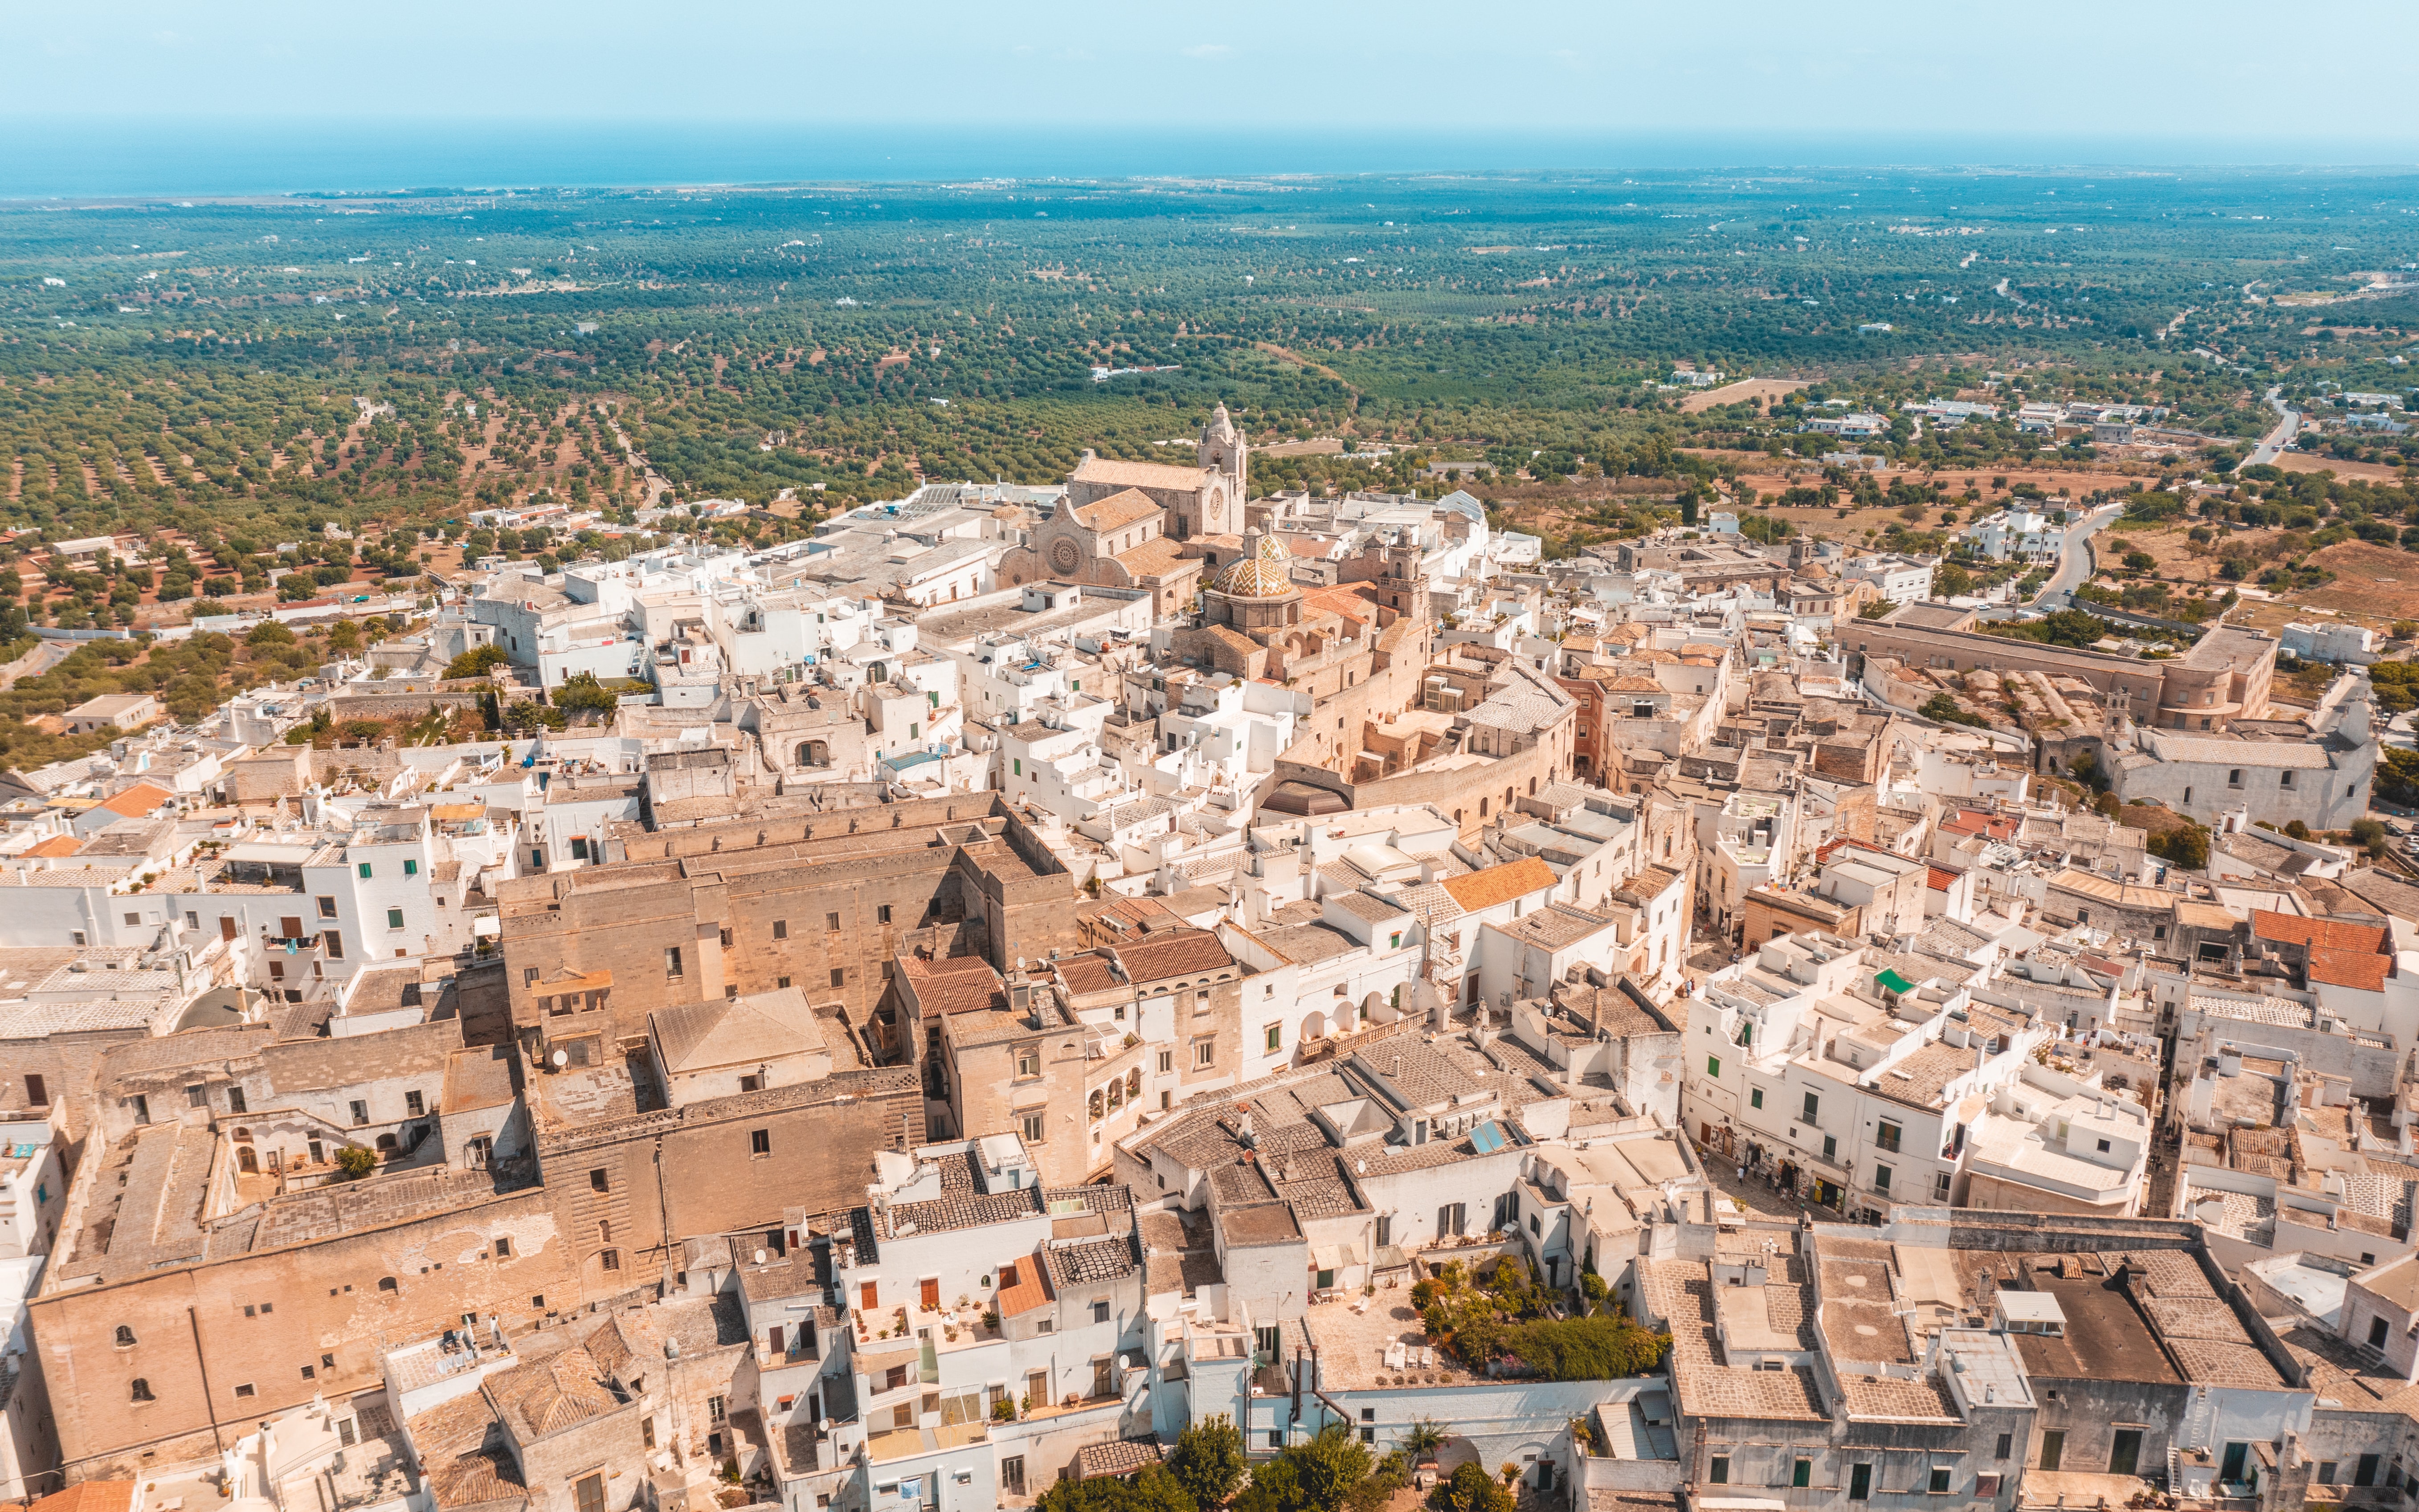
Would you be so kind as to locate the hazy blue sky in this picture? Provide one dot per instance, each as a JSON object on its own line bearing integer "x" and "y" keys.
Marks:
{"x": 2281, "y": 80}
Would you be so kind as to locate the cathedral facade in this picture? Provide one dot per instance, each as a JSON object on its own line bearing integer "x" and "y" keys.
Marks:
{"x": 1129, "y": 524}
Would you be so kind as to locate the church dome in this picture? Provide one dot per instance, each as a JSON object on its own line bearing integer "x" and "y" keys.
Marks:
{"x": 1265, "y": 570}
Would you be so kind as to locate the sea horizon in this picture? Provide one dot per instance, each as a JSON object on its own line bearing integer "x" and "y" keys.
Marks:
{"x": 145, "y": 158}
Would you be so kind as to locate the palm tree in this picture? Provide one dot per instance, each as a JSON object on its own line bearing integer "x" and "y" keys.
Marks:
{"x": 1423, "y": 1439}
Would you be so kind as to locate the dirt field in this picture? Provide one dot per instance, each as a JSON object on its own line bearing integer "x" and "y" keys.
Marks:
{"x": 2374, "y": 584}
{"x": 1743, "y": 389}
{"x": 2304, "y": 462}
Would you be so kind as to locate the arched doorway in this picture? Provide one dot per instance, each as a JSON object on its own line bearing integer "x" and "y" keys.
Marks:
{"x": 246, "y": 1160}
{"x": 1314, "y": 1025}
{"x": 814, "y": 754}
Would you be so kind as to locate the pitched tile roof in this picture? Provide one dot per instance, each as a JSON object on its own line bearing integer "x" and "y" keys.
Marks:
{"x": 2363, "y": 969}
{"x": 1116, "y": 512}
{"x": 2291, "y": 929}
{"x": 1499, "y": 884}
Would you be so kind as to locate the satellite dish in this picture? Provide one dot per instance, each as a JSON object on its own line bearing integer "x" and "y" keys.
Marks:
{"x": 760, "y": 1257}
{"x": 562, "y": 1059}
{"x": 825, "y": 1425}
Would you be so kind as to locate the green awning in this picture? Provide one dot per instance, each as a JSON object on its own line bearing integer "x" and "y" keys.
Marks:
{"x": 1895, "y": 982}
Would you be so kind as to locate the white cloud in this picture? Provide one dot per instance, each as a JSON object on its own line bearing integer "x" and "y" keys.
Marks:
{"x": 1210, "y": 51}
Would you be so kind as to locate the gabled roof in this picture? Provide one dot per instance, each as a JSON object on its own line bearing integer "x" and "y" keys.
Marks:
{"x": 737, "y": 1031}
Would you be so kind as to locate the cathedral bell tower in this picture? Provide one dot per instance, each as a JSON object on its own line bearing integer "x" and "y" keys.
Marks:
{"x": 1226, "y": 477}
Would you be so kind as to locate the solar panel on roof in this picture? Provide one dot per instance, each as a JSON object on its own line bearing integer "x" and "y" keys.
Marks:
{"x": 1487, "y": 1138}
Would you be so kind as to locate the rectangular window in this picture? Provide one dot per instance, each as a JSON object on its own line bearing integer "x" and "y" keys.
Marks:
{"x": 672, "y": 962}
{"x": 1939, "y": 1483}
{"x": 414, "y": 1105}
{"x": 361, "y": 1113}
{"x": 235, "y": 1095}
{"x": 780, "y": 929}
{"x": 1275, "y": 1036}
{"x": 1830, "y": 1147}
{"x": 1860, "y": 1483}
{"x": 2007, "y": 1446}
{"x": 589, "y": 1495}
{"x": 2053, "y": 1448}
{"x": 327, "y": 908}
{"x": 1166, "y": 1061}
{"x": 1813, "y": 1102}
{"x": 597, "y": 1181}
{"x": 1029, "y": 1060}
{"x": 1720, "y": 1472}
{"x": 394, "y": 918}
{"x": 838, "y": 976}
{"x": 1986, "y": 1485}
{"x": 1940, "y": 1186}
{"x": 1755, "y": 1097}
{"x": 244, "y": 1390}
{"x": 1801, "y": 1473}
{"x": 503, "y": 1247}
{"x": 1714, "y": 1067}
{"x": 1100, "y": 1312}
{"x": 610, "y": 1260}
{"x": 197, "y": 1096}
{"x": 760, "y": 1141}
{"x": 411, "y": 867}
{"x": 335, "y": 944}
{"x": 1032, "y": 1128}
{"x": 1881, "y": 1178}
{"x": 881, "y": 914}
{"x": 831, "y": 923}
{"x": 1204, "y": 1051}
{"x": 1887, "y": 1135}
{"x": 365, "y": 871}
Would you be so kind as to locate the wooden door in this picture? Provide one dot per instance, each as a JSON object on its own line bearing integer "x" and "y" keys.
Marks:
{"x": 226, "y": 926}
{"x": 931, "y": 1291}
{"x": 868, "y": 1295}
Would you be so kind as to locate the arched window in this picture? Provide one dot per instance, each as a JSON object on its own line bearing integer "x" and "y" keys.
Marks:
{"x": 386, "y": 1141}
{"x": 386, "y": 1282}
{"x": 141, "y": 1390}
{"x": 125, "y": 1337}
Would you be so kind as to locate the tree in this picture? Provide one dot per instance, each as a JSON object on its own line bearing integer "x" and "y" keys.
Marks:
{"x": 2186, "y": 845}
{"x": 583, "y": 694}
{"x": 343, "y": 636}
{"x": 1150, "y": 1490}
{"x": 1208, "y": 1459}
{"x": 1470, "y": 1490}
{"x": 477, "y": 661}
{"x": 2370, "y": 836}
{"x": 267, "y": 633}
{"x": 1425, "y": 1436}
{"x": 356, "y": 1161}
{"x": 1314, "y": 1476}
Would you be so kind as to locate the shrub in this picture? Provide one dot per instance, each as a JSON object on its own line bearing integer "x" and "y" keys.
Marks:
{"x": 356, "y": 1161}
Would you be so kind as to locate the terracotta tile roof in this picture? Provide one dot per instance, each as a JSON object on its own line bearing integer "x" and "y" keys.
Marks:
{"x": 1116, "y": 512}
{"x": 141, "y": 798}
{"x": 1024, "y": 1284}
{"x": 1940, "y": 879}
{"x": 1158, "y": 557}
{"x": 2363, "y": 969}
{"x": 1174, "y": 953}
{"x": 1499, "y": 884}
{"x": 956, "y": 984}
{"x": 1138, "y": 474}
{"x": 2291, "y": 929}
{"x": 1085, "y": 974}
{"x": 58, "y": 845}
{"x": 89, "y": 1496}
{"x": 1975, "y": 821}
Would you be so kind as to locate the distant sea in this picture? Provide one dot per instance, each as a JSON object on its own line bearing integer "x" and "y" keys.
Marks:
{"x": 143, "y": 158}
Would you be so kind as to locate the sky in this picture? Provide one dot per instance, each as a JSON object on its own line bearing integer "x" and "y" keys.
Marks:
{"x": 2133, "y": 79}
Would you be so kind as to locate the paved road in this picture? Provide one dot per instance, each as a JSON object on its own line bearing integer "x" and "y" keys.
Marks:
{"x": 2272, "y": 445}
{"x": 2074, "y": 559}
